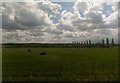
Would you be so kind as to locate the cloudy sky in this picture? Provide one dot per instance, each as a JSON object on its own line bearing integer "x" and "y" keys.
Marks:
{"x": 45, "y": 21}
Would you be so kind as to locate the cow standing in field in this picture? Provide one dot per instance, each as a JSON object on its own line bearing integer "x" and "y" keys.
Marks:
{"x": 43, "y": 53}
{"x": 29, "y": 50}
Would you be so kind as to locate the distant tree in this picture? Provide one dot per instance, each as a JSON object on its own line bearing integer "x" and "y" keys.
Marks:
{"x": 107, "y": 41}
{"x": 87, "y": 42}
{"x": 81, "y": 43}
{"x": 103, "y": 42}
{"x": 112, "y": 41}
{"x": 84, "y": 43}
{"x": 90, "y": 43}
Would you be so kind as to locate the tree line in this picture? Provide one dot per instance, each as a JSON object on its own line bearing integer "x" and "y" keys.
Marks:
{"x": 88, "y": 43}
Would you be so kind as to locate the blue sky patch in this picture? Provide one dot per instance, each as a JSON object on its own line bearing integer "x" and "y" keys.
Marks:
{"x": 68, "y": 6}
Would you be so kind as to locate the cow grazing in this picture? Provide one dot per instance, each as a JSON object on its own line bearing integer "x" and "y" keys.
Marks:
{"x": 43, "y": 53}
{"x": 29, "y": 50}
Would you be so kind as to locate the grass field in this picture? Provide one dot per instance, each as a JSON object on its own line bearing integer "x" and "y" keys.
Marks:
{"x": 60, "y": 64}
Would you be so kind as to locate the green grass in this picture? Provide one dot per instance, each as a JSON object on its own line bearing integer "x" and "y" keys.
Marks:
{"x": 0, "y": 63}
{"x": 60, "y": 64}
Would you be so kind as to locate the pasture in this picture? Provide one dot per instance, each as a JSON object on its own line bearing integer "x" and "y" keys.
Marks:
{"x": 66, "y": 64}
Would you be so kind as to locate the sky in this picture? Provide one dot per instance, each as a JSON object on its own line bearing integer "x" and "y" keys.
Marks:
{"x": 58, "y": 22}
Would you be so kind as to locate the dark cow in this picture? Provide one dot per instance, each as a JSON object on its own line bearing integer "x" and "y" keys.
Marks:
{"x": 29, "y": 50}
{"x": 43, "y": 53}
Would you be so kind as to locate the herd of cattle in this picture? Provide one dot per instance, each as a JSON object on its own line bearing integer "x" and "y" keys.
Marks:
{"x": 42, "y": 53}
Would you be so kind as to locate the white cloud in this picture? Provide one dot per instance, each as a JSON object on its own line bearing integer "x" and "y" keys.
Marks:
{"x": 88, "y": 21}
{"x": 50, "y": 8}
{"x": 82, "y": 6}
{"x": 31, "y": 22}
{"x": 26, "y": 22}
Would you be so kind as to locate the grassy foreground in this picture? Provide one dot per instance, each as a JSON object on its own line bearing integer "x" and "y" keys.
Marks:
{"x": 80, "y": 64}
